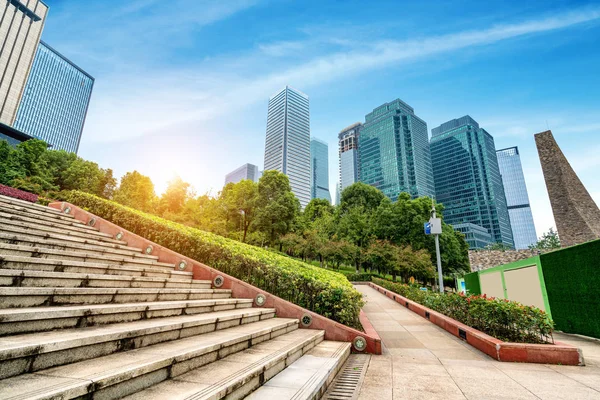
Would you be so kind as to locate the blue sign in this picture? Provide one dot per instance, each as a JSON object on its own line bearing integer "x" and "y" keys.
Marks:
{"x": 428, "y": 228}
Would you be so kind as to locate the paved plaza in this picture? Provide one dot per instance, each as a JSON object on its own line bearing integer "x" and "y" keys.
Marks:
{"x": 422, "y": 361}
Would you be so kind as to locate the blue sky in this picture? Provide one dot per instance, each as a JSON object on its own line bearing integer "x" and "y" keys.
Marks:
{"x": 182, "y": 86}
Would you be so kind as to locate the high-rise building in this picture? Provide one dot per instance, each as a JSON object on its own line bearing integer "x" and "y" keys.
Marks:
{"x": 55, "y": 100}
{"x": 393, "y": 149}
{"x": 349, "y": 163}
{"x": 21, "y": 25}
{"x": 319, "y": 169}
{"x": 246, "y": 171}
{"x": 517, "y": 199}
{"x": 287, "y": 145}
{"x": 468, "y": 181}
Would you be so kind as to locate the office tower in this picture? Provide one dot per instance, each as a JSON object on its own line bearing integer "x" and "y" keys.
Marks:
{"x": 246, "y": 171}
{"x": 319, "y": 169}
{"x": 517, "y": 199}
{"x": 468, "y": 181}
{"x": 349, "y": 164}
{"x": 55, "y": 100}
{"x": 287, "y": 145}
{"x": 21, "y": 25}
{"x": 393, "y": 149}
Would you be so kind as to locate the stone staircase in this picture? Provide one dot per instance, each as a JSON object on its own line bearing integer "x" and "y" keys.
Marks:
{"x": 84, "y": 315}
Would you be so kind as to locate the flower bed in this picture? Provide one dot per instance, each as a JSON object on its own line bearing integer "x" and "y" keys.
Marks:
{"x": 325, "y": 292}
{"x": 503, "y": 319}
{"x": 18, "y": 194}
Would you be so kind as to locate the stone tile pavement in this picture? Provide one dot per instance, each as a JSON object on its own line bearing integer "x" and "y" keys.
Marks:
{"x": 422, "y": 361}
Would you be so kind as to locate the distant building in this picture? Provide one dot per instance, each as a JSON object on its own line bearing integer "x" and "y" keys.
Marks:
{"x": 12, "y": 136}
{"x": 55, "y": 101}
{"x": 517, "y": 199}
{"x": 246, "y": 171}
{"x": 287, "y": 145}
{"x": 468, "y": 182}
{"x": 349, "y": 163}
{"x": 21, "y": 25}
{"x": 319, "y": 169}
{"x": 393, "y": 149}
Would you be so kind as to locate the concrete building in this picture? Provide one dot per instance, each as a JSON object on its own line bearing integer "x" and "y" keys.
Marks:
{"x": 319, "y": 169}
{"x": 517, "y": 198}
{"x": 349, "y": 163}
{"x": 576, "y": 214}
{"x": 393, "y": 149}
{"x": 287, "y": 144}
{"x": 21, "y": 25}
{"x": 468, "y": 181}
{"x": 55, "y": 101}
{"x": 246, "y": 171}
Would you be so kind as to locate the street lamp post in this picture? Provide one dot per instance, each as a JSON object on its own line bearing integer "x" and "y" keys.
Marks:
{"x": 434, "y": 227}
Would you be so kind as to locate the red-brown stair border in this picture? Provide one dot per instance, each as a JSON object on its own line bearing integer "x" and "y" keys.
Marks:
{"x": 240, "y": 289}
{"x": 557, "y": 353}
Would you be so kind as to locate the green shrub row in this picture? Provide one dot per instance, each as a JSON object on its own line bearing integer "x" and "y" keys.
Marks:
{"x": 325, "y": 292}
{"x": 503, "y": 319}
{"x": 359, "y": 277}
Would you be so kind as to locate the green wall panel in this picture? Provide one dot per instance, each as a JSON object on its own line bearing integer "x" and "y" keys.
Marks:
{"x": 472, "y": 283}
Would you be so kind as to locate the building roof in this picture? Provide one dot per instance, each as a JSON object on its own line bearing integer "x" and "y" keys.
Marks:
{"x": 14, "y": 133}
{"x": 66, "y": 59}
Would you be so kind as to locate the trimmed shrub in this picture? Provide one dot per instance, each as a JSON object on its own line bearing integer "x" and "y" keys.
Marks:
{"x": 503, "y": 319}
{"x": 18, "y": 194}
{"x": 359, "y": 277}
{"x": 325, "y": 292}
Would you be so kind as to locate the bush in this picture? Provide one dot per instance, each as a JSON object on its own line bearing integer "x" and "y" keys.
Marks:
{"x": 358, "y": 277}
{"x": 18, "y": 194}
{"x": 324, "y": 292}
{"x": 503, "y": 319}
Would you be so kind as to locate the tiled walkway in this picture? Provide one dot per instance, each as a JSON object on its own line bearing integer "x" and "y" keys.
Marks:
{"x": 422, "y": 361}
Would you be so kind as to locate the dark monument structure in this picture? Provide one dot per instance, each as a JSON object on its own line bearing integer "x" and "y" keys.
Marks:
{"x": 576, "y": 214}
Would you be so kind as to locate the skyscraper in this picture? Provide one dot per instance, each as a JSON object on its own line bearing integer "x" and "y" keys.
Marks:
{"x": 319, "y": 169}
{"x": 287, "y": 145}
{"x": 21, "y": 25}
{"x": 393, "y": 149}
{"x": 468, "y": 181}
{"x": 55, "y": 101}
{"x": 517, "y": 199}
{"x": 349, "y": 164}
{"x": 246, "y": 171}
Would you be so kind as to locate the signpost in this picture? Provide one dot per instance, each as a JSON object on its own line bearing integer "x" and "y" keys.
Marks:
{"x": 434, "y": 227}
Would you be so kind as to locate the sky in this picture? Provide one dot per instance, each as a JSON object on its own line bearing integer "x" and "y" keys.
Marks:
{"x": 182, "y": 86}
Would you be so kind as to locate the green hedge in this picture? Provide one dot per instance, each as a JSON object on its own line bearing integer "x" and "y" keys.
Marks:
{"x": 359, "y": 277}
{"x": 572, "y": 278}
{"x": 503, "y": 319}
{"x": 325, "y": 292}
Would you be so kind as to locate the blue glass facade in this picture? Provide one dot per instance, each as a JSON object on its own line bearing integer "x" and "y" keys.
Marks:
{"x": 55, "y": 101}
{"x": 348, "y": 151}
{"x": 468, "y": 181}
{"x": 319, "y": 169}
{"x": 246, "y": 171}
{"x": 394, "y": 151}
{"x": 517, "y": 198}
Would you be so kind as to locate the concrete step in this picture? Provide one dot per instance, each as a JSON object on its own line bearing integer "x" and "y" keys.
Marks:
{"x": 50, "y": 265}
{"x": 50, "y": 242}
{"x": 32, "y": 206}
{"x": 307, "y": 378}
{"x": 236, "y": 375}
{"x": 117, "y": 375}
{"x": 43, "y": 226}
{"x": 20, "y": 354}
{"x": 55, "y": 218}
{"x": 44, "y": 253}
{"x": 55, "y": 225}
{"x": 19, "y": 278}
{"x": 19, "y": 297}
{"x": 39, "y": 319}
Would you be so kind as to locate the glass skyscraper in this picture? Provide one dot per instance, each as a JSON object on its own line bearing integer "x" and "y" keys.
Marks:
{"x": 393, "y": 149}
{"x": 55, "y": 100}
{"x": 468, "y": 182}
{"x": 287, "y": 145}
{"x": 348, "y": 156}
{"x": 319, "y": 169}
{"x": 246, "y": 171}
{"x": 517, "y": 199}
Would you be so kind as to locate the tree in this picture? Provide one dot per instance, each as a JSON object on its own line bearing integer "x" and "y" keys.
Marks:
{"x": 175, "y": 196}
{"x": 361, "y": 195}
{"x": 277, "y": 206}
{"x": 136, "y": 191}
{"x": 240, "y": 203}
{"x": 548, "y": 241}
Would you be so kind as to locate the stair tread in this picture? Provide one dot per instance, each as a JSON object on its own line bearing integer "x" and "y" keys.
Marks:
{"x": 8, "y": 291}
{"x": 44, "y": 342}
{"x": 58, "y": 230}
{"x": 31, "y": 205}
{"x": 105, "y": 242}
{"x": 56, "y": 218}
{"x": 306, "y": 376}
{"x": 74, "y": 379}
